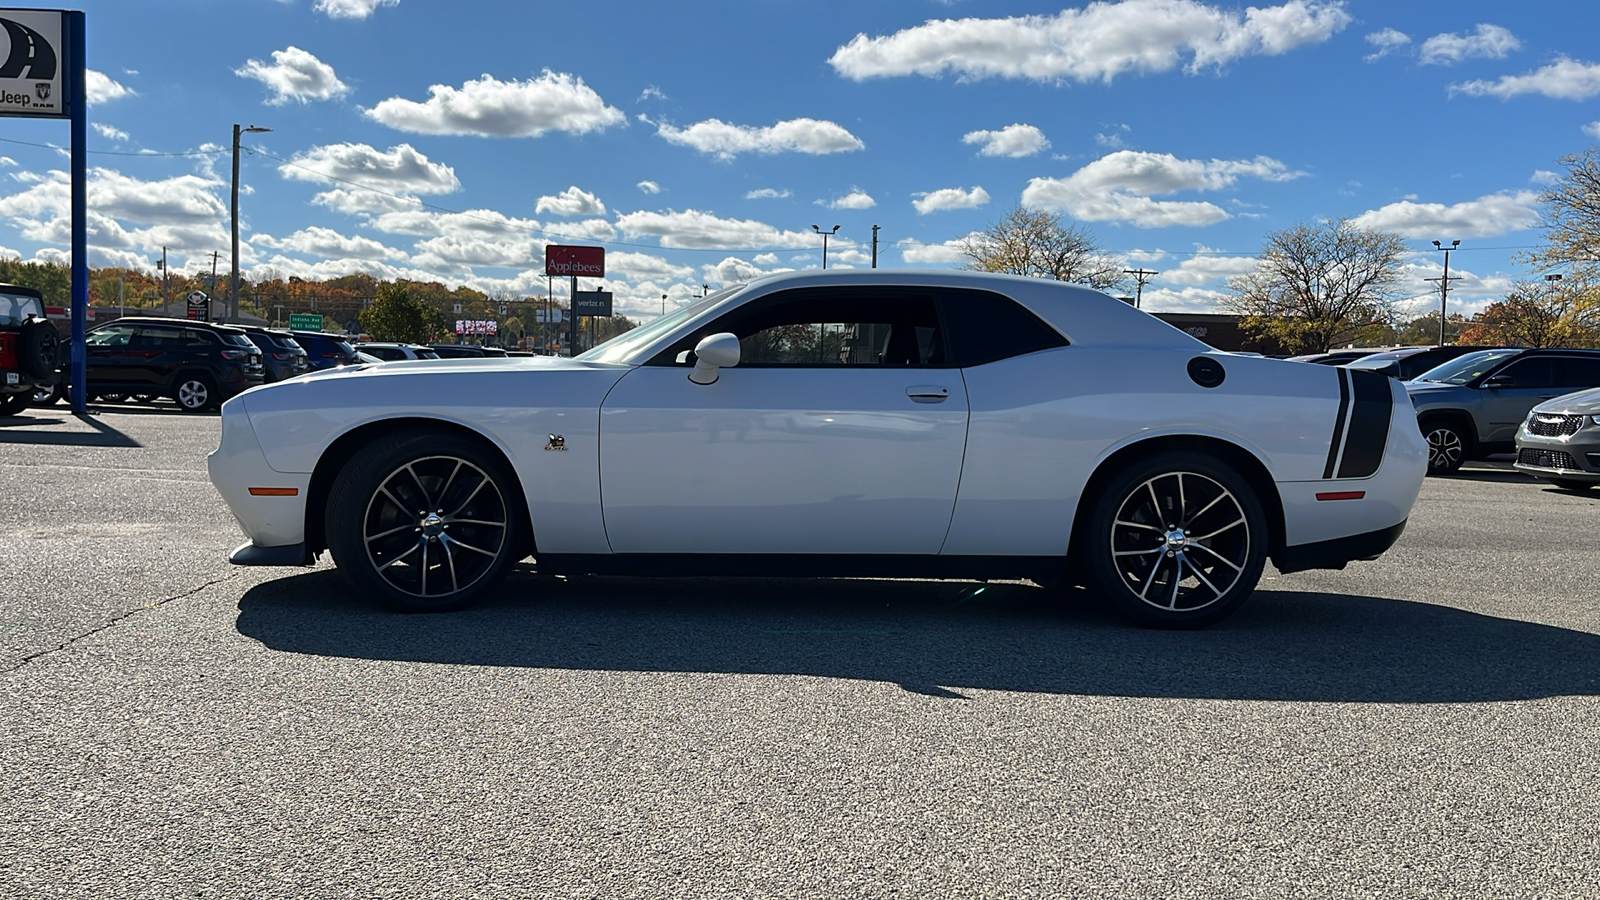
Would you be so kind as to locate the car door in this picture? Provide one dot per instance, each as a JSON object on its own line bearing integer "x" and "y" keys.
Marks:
{"x": 108, "y": 355}
{"x": 1518, "y": 387}
{"x": 840, "y": 431}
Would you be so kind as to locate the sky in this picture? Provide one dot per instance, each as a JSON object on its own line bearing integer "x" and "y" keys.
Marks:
{"x": 699, "y": 143}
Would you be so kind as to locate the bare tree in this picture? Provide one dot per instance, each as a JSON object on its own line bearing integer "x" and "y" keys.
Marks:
{"x": 1317, "y": 285}
{"x": 1039, "y": 244}
{"x": 1572, "y": 217}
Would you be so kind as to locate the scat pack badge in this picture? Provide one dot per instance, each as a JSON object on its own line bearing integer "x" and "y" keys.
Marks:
{"x": 557, "y": 442}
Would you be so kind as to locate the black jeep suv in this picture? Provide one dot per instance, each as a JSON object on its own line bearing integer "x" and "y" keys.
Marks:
{"x": 29, "y": 348}
{"x": 198, "y": 364}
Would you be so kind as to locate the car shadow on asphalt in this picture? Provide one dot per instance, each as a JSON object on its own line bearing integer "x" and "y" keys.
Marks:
{"x": 943, "y": 638}
{"x": 103, "y": 435}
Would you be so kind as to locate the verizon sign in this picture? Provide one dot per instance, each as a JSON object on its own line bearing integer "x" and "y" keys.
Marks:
{"x": 32, "y": 63}
{"x": 586, "y": 262}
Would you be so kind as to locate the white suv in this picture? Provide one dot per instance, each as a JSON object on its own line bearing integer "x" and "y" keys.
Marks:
{"x": 387, "y": 352}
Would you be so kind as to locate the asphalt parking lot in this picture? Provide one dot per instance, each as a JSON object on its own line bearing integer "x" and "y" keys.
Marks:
{"x": 1425, "y": 725}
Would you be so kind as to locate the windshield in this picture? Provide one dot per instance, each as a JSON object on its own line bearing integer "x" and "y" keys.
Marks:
{"x": 1375, "y": 361}
{"x": 1463, "y": 369}
{"x": 15, "y": 309}
{"x": 624, "y": 345}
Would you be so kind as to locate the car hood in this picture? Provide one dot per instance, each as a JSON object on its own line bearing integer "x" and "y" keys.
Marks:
{"x": 1430, "y": 387}
{"x": 439, "y": 367}
{"x": 1582, "y": 403}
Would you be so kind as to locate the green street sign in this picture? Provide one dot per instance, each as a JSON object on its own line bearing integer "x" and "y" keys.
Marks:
{"x": 305, "y": 322}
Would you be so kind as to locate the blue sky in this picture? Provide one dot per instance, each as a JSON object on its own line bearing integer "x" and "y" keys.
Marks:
{"x": 699, "y": 142}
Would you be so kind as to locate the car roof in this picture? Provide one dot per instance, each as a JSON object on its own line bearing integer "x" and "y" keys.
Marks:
{"x": 190, "y": 323}
{"x": 35, "y": 293}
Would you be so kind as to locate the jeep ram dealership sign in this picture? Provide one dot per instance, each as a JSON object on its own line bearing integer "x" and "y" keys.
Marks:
{"x": 32, "y": 62}
{"x": 587, "y": 262}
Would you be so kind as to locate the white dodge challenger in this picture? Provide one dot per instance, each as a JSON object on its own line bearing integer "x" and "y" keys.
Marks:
{"x": 854, "y": 423}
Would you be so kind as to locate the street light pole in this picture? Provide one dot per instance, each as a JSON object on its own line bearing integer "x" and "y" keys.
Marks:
{"x": 1444, "y": 284}
{"x": 233, "y": 216}
{"x": 825, "y": 235}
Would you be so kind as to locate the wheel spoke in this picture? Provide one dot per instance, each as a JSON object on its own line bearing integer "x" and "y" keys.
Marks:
{"x": 424, "y": 567}
{"x": 1225, "y": 561}
{"x": 1206, "y": 537}
{"x": 445, "y": 489}
{"x": 1137, "y": 525}
{"x": 1183, "y": 558}
{"x": 1207, "y": 508}
{"x": 1136, "y": 552}
{"x": 1154, "y": 500}
{"x": 427, "y": 501}
{"x": 450, "y": 561}
{"x": 393, "y": 499}
{"x": 456, "y": 542}
{"x": 402, "y": 556}
{"x": 470, "y": 497}
{"x": 485, "y": 522}
{"x": 396, "y": 530}
{"x": 1150, "y": 579}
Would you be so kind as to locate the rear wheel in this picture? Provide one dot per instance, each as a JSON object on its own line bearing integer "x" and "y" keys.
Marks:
{"x": 1447, "y": 446}
{"x": 49, "y": 396}
{"x": 146, "y": 399}
{"x": 195, "y": 393}
{"x": 12, "y": 404}
{"x": 1176, "y": 541}
{"x": 425, "y": 523}
{"x": 114, "y": 397}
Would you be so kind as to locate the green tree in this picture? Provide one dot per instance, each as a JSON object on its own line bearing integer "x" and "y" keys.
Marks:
{"x": 395, "y": 315}
{"x": 1317, "y": 286}
{"x": 1536, "y": 314}
{"x": 1424, "y": 330}
{"x": 1040, "y": 244}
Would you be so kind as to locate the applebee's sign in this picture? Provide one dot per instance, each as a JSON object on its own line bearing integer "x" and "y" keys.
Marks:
{"x": 32, "y": 63}
{"x": 587, "y": 262}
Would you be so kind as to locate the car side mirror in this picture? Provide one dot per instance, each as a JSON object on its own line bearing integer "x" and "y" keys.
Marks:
{"x": 714, "y": 352}
{"x": 1499, "y": 381}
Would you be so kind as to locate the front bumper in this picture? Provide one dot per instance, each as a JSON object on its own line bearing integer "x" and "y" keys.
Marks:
{"x": 1574, "y": 458}
{"x": 273, "y": 516}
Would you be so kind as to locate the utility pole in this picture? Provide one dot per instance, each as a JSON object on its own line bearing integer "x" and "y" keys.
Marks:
{"x": 1444, "y": 284}
{"x": 214, "y": 255}
{"x": 1141, "y": 277}
{"x": 874, "y": 246}
{"x": 166, "y": 296}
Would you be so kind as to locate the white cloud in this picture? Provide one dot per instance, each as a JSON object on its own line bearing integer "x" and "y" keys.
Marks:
{"x": 183, "y": 212}
{"x": 644, "y": 267}
{"x": 1564, "y": 79}
{"x": 766, "y": 194}
{"x": 402, "y": 169}
{"x": 1113, "y": 140}
{"x": 856, "y": 199}
{"x": 1207, "y": 269}
{"x": 949, "y": 198}
{"x": 1386, "y": 42}
{"x": 294, "y": 74}
{"x": 571, "y": 202}
{"x": 350, "y": 9}
{"x": 1592, "y": 130}
{"x": 365, "y": 203}
{"x": 650, "y": 92}
{"x": 725, "y": 140}
{"x": 913, "y": 251}
{"x": 1116, "y": 188}
{"x": 765, "y": 259}
{"x": 1544, "y": 176}
{"x": 734, "y": 270}
{"x": 325, "y": 242}
{"x": 1192, "y": 299}
{"x": 555, "y": 101}
{"x": 101, "y": 88}
{"x": 109, "y": 132}
{"x": 1013, "y": 140}
{"x": 692, "y": 229}
{"x": 1488, "y": 42}
{"x": 1100, "y": 41}
{"x": 649, "y": 187}
{"x": 1489, "y": 216}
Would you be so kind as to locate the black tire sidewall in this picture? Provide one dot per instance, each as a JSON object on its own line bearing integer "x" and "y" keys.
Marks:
{"x": 1102, "y": 573}
{"x": 14, "y": 403}
{"x": 39, "y": 350}
{"x": 359, "y": 479}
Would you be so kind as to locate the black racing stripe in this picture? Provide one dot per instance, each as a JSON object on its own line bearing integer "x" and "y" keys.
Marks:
{"x": 1338, "y": 423}
{"x": 1369, "y": 425}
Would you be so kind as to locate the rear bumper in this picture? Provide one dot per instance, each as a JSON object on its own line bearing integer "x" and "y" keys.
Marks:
{"x": 1336, "y": 553}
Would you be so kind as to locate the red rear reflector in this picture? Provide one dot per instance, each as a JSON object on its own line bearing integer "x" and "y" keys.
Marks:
{"x": 274, "y": 492}
{"x": 1342, "y": 495}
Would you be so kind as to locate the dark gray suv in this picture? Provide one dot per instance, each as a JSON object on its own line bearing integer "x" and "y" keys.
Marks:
{"x": 1473, "y": 406}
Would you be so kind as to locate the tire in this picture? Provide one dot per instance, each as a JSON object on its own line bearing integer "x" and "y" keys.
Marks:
{"x": 1447, "y": 446}
{"x": 38, "y": 349}
{"x": 146, "y": 399}
{"x": 195, "y": 393}
{"x": 1569, "y": 484}
{"x": 114, "y": 397}
{"x": 1143, "y": 552}
{"x": 15, "y": 403}
{"x": 425, "y": 523}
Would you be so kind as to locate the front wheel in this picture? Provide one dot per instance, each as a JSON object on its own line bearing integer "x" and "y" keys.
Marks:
{"x": 424, "y": 523}
{"x": 1447, "y": 446}
{"x": 15, "y": 403}
{"x": 1176, "y": 541}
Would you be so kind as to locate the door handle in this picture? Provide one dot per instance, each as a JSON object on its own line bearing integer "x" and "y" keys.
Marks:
{"x": 927, "y": 393}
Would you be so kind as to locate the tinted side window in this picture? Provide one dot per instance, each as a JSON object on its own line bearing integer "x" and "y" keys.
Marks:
{"x": 984, "y": 327}
{"x": 845, "y": 326}
{"x": 1535, "y": 372}
{"x": 1578, "y": 372}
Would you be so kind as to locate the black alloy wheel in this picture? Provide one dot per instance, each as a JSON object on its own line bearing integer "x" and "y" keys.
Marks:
{"x": 1447, "y": 446}
{"x": 1176, "y": 541}
{"x": 425, "y": 523}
